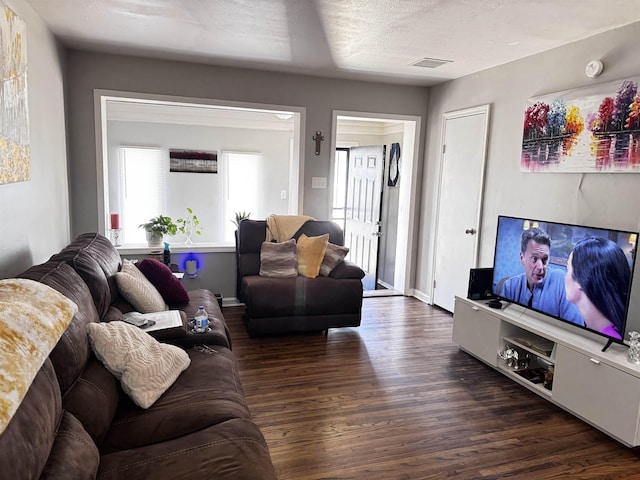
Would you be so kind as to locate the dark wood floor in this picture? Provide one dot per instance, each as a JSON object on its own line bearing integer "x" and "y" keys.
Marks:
{"x": 396, "y": 399}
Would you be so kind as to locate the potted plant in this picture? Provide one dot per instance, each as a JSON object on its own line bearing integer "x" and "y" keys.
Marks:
{"x": 240, "y": 216}
{"x": 157, "y": 228}
{"x": 189, "y": 225}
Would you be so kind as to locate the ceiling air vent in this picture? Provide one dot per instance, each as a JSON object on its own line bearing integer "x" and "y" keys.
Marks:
{"x": 430, "y": 62}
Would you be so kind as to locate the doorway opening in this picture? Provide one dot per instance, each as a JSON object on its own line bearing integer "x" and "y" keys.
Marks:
{"x": 396, "y": 203}
{"x": 271, "y": 135}
{"x": 459, "y": 202}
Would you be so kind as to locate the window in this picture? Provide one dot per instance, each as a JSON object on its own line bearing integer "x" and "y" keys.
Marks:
{"x": 340, "y": 187}
{"x": 147, "y": 189}
{"x": 142, "y": 184}
{"x": 244, "y": 190}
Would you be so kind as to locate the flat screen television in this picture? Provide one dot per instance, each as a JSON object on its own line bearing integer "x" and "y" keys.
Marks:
{"x": 578, "y": 274}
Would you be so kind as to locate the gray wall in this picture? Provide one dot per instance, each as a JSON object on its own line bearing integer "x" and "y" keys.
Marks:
{"x": 35, "y": 215}
{"x": 320, "y": 96}
{"x": 607, "y": 200}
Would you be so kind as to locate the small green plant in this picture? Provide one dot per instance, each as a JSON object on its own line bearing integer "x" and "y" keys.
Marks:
{"x": 240, "y": 216}
{"x": 189, "y": 225}
{"x": 160, "y": 225}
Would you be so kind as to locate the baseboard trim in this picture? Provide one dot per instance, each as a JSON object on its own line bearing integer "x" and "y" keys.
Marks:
{"x": 423, "y": 297}
{"x": 231, "y": 302}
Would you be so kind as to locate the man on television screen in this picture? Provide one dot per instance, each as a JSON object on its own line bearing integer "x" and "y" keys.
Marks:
{"x": 540, "y": 287}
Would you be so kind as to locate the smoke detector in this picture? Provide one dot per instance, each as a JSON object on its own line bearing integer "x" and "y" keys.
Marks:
{"x": 593, "y": 68}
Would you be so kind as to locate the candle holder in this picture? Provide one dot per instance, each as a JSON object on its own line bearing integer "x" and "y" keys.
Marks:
{"x": 115, "y": 236}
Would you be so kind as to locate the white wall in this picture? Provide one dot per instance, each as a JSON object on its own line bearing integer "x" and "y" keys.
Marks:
{"x": 35, "y": 215}
{"x": 607, "y": 200}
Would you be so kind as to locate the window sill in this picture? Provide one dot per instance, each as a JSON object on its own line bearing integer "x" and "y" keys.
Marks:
{"x": 141, "y": 249}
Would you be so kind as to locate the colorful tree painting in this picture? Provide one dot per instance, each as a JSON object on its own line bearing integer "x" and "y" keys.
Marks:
{"x": 557, "y": 138}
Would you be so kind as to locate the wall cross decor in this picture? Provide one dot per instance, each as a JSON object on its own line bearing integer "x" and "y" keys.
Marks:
{"x": 318, "y": 137}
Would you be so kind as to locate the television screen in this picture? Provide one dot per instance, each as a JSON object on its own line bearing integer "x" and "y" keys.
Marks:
{"x": 578, "y": 274}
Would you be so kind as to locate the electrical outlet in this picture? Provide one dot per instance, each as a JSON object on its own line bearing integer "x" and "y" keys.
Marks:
{"x": 283, "y": 194}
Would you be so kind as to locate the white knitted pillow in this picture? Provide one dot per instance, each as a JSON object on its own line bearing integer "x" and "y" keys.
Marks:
{"x": 139, "y": 291}
{"x": 145, "y": 367}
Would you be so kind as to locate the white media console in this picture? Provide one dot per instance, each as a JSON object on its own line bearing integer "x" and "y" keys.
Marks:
{"x": 601, "y": 388}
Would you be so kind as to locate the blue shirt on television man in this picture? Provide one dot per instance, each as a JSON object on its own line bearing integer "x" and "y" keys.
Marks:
{"x": 540, "y": 287}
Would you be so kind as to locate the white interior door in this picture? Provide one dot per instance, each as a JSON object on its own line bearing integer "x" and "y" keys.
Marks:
{"x": 460, "y": 200}
{"x": 362, "y": 224}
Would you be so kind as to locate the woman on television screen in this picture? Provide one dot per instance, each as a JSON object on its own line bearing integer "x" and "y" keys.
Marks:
{"x": 597, "y": 282}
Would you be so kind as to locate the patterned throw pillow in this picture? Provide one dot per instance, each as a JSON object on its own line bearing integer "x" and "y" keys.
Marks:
{"x": 164, "y": 280}
{"x": 145, "y": 367}
{"x": 333, "y": 257}
{"x": 279, "y": 259}
{"x": 310, "y": 254}
{"x": 137, "y": 290}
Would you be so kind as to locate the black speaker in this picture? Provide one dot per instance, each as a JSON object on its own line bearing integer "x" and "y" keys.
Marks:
{"x": 480, "y": 284}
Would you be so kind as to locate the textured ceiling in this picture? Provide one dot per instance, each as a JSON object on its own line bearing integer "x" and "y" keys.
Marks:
{"x": 367, "y": 39}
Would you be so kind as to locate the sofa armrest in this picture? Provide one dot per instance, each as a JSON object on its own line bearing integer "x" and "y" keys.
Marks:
{"x": 347, "y": 269}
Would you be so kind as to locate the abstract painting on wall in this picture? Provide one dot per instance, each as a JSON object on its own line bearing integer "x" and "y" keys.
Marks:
{"x": 15, "y": 150}
{"x": 191, "y": 161}
{"x": 592, "y": 129}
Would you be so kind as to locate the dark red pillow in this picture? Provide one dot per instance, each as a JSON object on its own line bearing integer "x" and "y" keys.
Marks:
{"x": 164, "y": 280}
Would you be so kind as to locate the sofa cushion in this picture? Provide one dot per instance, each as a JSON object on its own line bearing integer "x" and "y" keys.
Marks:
{"x": 311, "y": 252}
{"x": 33, "y": 316}
{"x": 235, "y": 449}
{"x": 144, "y": 366}
{"x": 93, "y": 399}
{"x": 70, "y": 355}
{"x": 345, "y": 270}
{"x": 279, "y": 297}
{"x": 279, "y": 259}
{"x": 26, "y": 443}
{"x": 72, "y": 451}
{"x": 313, "y": 228}
{"x": 164, "y": 280}
{"x": 332, "y": 257}
{"x": 251, "y": 234}
{"x": 207, "y": 393}
{"x": 90, "y": 392}
{"x": 139, "y": 291}
{"x": 96, "y": 260}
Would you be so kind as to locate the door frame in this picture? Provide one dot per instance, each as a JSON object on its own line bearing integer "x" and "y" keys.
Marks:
{"x": 481, "y": 109}
{"x": 407, "y": 222}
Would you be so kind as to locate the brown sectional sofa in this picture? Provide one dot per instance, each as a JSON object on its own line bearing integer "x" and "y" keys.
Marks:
{"x": 76, "y": 421}
{"x": 297, "y": 304}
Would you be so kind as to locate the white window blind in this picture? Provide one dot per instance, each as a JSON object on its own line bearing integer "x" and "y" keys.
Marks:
{"x": 142, "y": 189}
{"x": 244, "y": 187}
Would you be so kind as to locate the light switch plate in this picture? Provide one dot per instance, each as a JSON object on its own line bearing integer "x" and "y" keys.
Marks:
{"x": 318, "y": 182}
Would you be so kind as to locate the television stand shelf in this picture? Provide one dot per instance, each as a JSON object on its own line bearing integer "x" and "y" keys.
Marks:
{"x": 565, "y": 367}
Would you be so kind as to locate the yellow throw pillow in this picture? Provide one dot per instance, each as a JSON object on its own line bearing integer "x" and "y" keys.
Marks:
{"x": 310, "y": 254}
